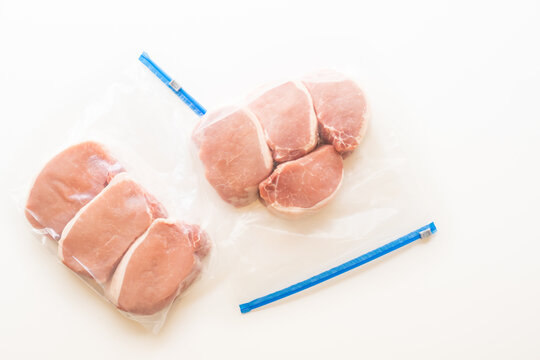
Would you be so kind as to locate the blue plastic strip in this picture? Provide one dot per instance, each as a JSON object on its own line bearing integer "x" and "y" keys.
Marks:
{"x": 167, "y": 80}
{"x": 340, "y": 269}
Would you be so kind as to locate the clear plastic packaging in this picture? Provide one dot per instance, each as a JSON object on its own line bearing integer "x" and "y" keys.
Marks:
{"x": 145, "y": 132}
{"x": 379, "y": 197}
{"x": 118, "y": 203}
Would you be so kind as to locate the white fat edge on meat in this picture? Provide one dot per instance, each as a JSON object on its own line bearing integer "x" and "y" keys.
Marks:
{"x": 253, "y": 96}
{"x": 265, "y": 150}
{"x": 116, "y": 180}
{"x": 115, "y": 286}
{"x": 156, "y": 319}
{"x": 299, "y": 211}
{"x": 312, "y": 117}
{"x": 366, "y": 116}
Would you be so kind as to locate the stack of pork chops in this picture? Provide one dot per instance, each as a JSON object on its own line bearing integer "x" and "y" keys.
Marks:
{"x": 285, "y": 145}
{"x": 111, "y": 231}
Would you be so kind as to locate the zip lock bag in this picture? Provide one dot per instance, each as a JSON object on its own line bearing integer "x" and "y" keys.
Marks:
{"x": 116, "y": 200}
{"x": 311, "y": 191}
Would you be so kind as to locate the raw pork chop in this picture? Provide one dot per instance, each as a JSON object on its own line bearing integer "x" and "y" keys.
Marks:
{"x": 288, "y": 119}
{"x": 97, "y": 237}
{"x": 308, "y": 183}
{"x": 157, "y": 267}
{"x": 234, "y": 153}
{"x": 341, "y": 110}
{"x": 67, "y": 182}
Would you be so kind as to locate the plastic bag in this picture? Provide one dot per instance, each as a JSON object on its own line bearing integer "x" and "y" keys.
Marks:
{"x": 118, "y": 202}
{"x": 379, "y": 197}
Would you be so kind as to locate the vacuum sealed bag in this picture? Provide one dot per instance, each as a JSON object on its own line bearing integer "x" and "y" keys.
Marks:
{"x": 117, "y": 204}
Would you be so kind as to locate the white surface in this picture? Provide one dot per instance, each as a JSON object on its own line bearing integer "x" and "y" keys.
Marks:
{"x": 461, "y": 79}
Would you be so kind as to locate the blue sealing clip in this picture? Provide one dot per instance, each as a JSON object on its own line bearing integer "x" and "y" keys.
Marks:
{"x": 172, "y": 84}
{"x": 421, "y": 233}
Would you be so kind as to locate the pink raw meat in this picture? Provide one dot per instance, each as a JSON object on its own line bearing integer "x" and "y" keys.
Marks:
{"x": 234, "y": 153}
{"x": 303, "y": 185}
{"x": 67, "y": 182}
{"x": 95, "y": 240}
{"x": 341, "y": 109}
{"x": 158, "y": 266}
{"x": 288, "y": 119}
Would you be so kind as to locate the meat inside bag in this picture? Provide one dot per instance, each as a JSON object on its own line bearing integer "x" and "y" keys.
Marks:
{"x": 117, "y": 203}
{"x": 307, "y": 126}
{"x": 172, "y": 189}
{"x": 322, "y": 203}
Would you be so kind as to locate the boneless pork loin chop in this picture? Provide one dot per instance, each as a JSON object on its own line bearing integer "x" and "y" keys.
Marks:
{"x": 300, "y": 186}
{"x": 158, "y": 266}
{"x": 340, "y": 106}
{"x": 287, "y": 116}
{"x": 234, "y": 153}
{"x": 97, "y": 237}
{"x": 68, "y": 182}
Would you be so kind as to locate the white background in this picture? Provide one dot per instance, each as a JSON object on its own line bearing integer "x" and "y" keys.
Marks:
{"x": 460, "y": 78}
